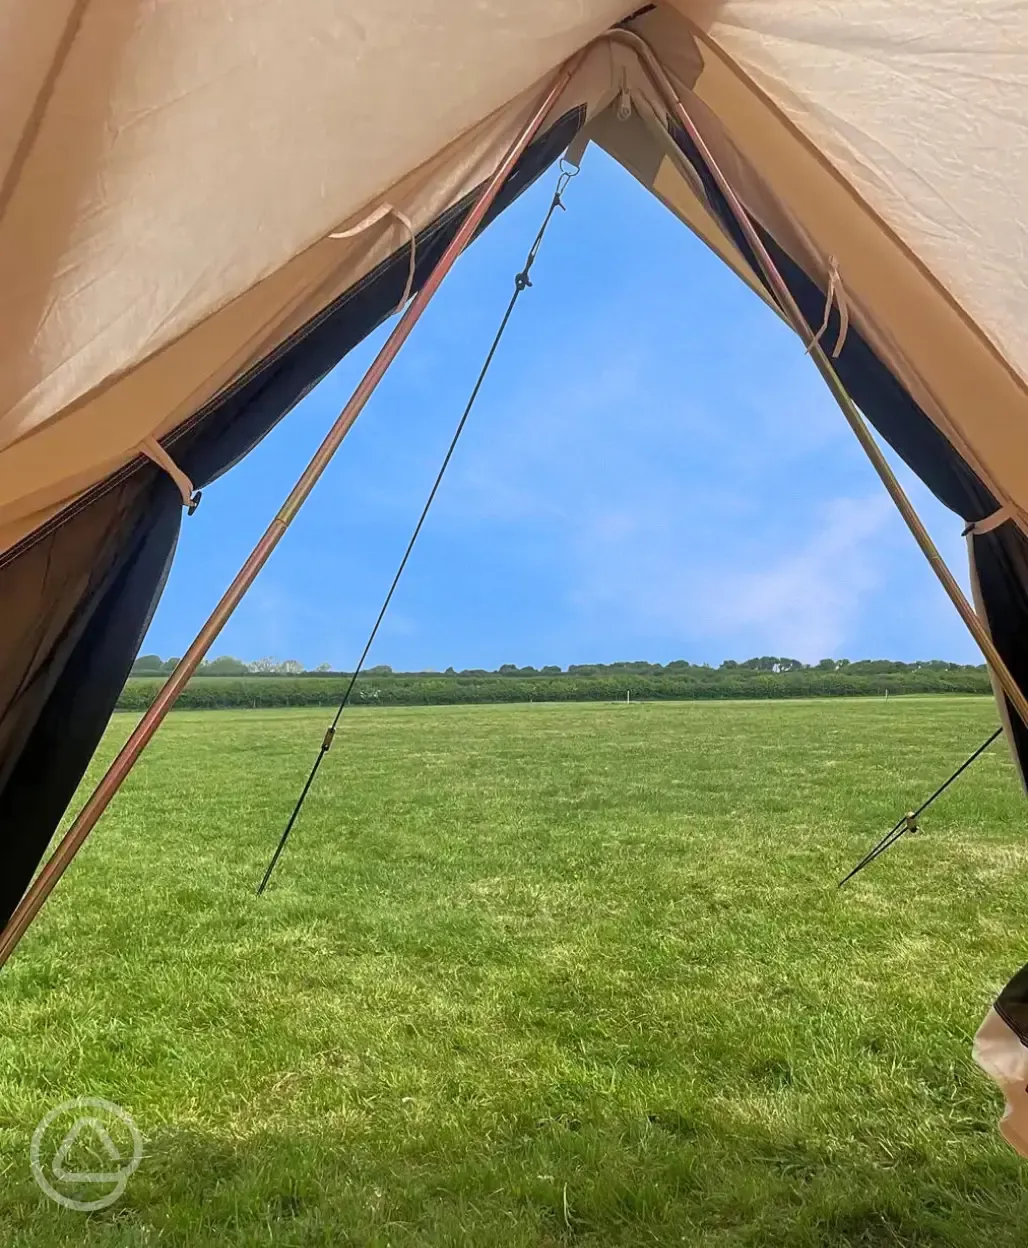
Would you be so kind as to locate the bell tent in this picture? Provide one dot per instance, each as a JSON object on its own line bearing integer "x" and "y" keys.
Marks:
{"x": 205, "y": 204}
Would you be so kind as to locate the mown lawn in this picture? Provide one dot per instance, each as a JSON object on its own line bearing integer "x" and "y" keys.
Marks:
{"x": 535, "y": 975}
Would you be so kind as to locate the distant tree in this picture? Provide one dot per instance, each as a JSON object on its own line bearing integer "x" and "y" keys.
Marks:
{"x": 528, "y": 671}
{"x": 264, "y": 667}
{"x": 383, "y": 669}
{"x": 148, "y": 665}
{"x": 323, "y": 667}
{"x": 729, "y": 665}
{"x": 550, "y": 670}
{"x": 169, "y": 665}
{"x": 291, "y": 667}
{"x": 225, "y": 665}
{"x": 826, "y": 665}
{"x": 449, "y": 672}
{"x": 508, "y": 669}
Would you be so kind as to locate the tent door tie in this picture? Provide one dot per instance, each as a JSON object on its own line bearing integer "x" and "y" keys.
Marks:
{"x": 836, "y": 294}
{"x": 978, "y": 527}
{"x": 373, "y": 218}
{"x": 153, "y": 450}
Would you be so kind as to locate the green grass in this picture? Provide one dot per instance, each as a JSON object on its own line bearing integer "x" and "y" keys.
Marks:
{"x": 536, "y": 975}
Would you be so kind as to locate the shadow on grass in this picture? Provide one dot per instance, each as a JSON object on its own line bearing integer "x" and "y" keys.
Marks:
{"x": 591, "y": 1178}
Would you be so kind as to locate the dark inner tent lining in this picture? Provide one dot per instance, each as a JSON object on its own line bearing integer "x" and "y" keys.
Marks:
{"x": 100, "y": 567}
{"x": 1012, "y": 1005}
{"x": 1001, "y": 557}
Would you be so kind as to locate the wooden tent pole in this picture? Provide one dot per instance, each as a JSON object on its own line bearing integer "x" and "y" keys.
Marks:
{"x": 850, "y": 410}
{"x": 45, "y": 881}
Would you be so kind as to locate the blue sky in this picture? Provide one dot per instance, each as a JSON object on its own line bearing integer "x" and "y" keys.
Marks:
{"x": 653, "y": 470}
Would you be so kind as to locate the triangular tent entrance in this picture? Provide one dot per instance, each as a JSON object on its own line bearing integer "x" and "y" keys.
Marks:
{"x": 179, "y": 190}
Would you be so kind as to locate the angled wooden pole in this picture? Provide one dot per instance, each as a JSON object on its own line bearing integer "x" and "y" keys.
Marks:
{"x": 44, "y": 883}
{"x": 795, "y": 317}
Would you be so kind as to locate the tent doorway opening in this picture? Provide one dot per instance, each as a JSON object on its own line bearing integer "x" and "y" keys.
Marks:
{"x": 153, "y": 378}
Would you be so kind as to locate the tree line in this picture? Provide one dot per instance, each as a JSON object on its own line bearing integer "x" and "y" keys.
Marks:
{"x": 270, "y": 684}
{"x": 226, "y": 665}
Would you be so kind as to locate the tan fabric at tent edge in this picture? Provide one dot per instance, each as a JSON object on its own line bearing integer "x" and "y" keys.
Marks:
{"x": 178, "y": 380}
{"x": 920, "y": 106}
{"x": 1000, "y": 1053}
{"x": 967, "y": 389}
{"x": 40, "y": 35}
{"x": 190, "y": 150}
{"x": 167, "y": 388}
{"x": 644, "y": 150}
{"x": 639, "y": 140}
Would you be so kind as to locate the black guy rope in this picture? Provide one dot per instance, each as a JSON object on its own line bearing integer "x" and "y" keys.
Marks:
{"x": 909, "y": 821}
{"x": 521, "y": 282}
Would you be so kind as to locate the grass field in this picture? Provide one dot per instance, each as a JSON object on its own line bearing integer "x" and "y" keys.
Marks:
{"x": 536, "y": 975}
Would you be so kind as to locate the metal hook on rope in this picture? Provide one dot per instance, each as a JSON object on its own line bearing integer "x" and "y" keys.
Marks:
{"x": 909, "y": 821}
{"x": 568, "y": 170}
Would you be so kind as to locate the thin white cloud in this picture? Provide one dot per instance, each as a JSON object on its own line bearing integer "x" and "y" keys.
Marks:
{"x": 801, "y": 596}
{"x": 676, "y": 514}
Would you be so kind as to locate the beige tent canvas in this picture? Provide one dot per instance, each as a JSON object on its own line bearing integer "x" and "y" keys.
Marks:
{"x": 204, "y": 204}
